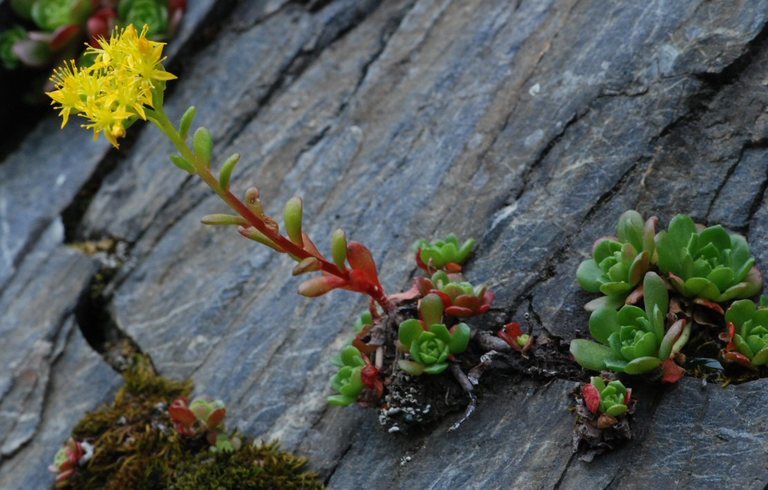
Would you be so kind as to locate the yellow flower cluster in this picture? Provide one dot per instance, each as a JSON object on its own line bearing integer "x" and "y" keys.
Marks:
{"x": 116, "y": 88}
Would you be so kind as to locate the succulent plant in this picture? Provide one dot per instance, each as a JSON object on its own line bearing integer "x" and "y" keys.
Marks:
{"x": 747, "y": 333}
{"x": 50, "y": 15}
{"x": 460, "y": 298}
{"x": 153, "y": 13}
{"x": 8, "y": 38}
{"x": 204, "y": 416}
{"x": 513, "y": 335}
{"x": 632, "y": 340}
{"x": 708, "y": 263}
{"x": 447, "y": 254}
{"x": 67, "y": 459}
{"x": 618, "y": 265}
{"x": 348, "y": 381}
{"x": 610, "y": 399}
{"x": 428, "y": 341}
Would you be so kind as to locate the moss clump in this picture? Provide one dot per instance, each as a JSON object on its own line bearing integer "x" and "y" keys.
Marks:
{"x": 136, "y": 446}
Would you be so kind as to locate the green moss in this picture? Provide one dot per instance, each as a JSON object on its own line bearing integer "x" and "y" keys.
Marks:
{"x": 136, "y": 446}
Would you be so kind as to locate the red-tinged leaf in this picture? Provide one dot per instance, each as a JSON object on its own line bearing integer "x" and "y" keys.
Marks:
{"x": 358, "y": 282}
{"x": 591, "y": 398}
{"x": 710, "y": 304}
{"x": 513, "y": 330}
{"x": 360, "y": 258}
{"x": 370, "y": 376}
{"x": 459, "y": 311}
{"x": 727, "y": 336}
{"x": 671, "y": 372}
{"x": 424, "y": 285}
{"x": 318, "y": 286}
{"x": 467, "y": 301}
{"x": 63, "y": 35}
{"x": 628, "y": 397}
{"x": 738, "y": 358}
{"x": 309, "y": 245}
{"x": 420, "y": 263}
{"x": 409, "y": 295}
{"x": 180, "y": 412}
{"x": 452, "y": 267}
{"x": 215, "y": 418}
{"x": 483, "y": 309}
{"x": 447, "y": 302}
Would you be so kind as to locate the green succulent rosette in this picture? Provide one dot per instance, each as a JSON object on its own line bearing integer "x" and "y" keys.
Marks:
{"x": 613, "y": 397}
{"x": 618, "y": 264}
{"x": 441, "y": 254}
{"x": 153, "y": 13}
{"x": 348, "y": 381}
{"x": 8, "y": 58}
{"x": 708, "y": 263}
{"x": 429, "y": 348}
{"x": 364, "y": 320}
{"x": 750, "y": 330}
{"x": 632, "y": 340}
{"x": 49, "y": 15}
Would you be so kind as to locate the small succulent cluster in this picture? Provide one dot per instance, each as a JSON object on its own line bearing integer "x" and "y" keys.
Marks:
{"x": 57, "y": 28}
{"x": 602, "y": 409}
{"x": 73, "y": 454}
{"x": 429, "y": 337}
{"x": 747, "y": 333}
{"x": 203, "y": 417}
{"x": 447, "y": 254}
{"x": 683, "y": 269}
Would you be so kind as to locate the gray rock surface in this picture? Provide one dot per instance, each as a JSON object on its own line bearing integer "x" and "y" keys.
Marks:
{"x": 531, "y": 125}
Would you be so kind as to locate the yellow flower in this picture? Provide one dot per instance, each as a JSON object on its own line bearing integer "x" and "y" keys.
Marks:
{"x": 117, "y": 88}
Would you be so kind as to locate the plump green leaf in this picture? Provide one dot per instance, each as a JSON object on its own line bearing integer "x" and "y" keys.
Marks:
{"x": 702, "y": 287}
{"x": 339, "y": 248}
{"x": 589, "y": 276}
{"x": 340, "y": 400}
{"x": 602, "y": 323}
{"x": 590, "y": 355}
{"x": 630, "y": 229}
{"x": 605, "y": 248}
{"x": 431, "y": 309}
{"x": 655, "y": 294}
{"x": 408, "y": 331}
{"x": 616, "y": 410}
{"x": 202, "y": 143}
{"x": 292, "y": 217}
{"x": 410, "y": 367}
{"x": 761, "y": 358}
{"x": 605, "y": 302}
{"x": 350, "y": 356}
{"x": 436, "y": 368}
{"x": 642, "y": 365}
{"x": 225, "y": 174}
{"x": 715, "y": 235}
{"x": 459, "y": 338}
{"x": 186, "y": 121}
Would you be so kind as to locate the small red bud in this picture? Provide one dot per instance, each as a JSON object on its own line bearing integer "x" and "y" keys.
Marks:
{"x": 591, "y": 398}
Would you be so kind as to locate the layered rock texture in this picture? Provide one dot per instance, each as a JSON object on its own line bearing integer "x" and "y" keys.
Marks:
{"x": 530, "y": 125}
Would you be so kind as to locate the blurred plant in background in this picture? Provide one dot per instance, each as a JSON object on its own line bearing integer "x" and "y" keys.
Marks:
{"x": 37, "y": 35}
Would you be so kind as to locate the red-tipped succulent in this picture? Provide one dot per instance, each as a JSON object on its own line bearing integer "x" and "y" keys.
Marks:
{"x": 69, "y": 457}
{"x": 512, "y": 334}
{"x": 461, "y": 298}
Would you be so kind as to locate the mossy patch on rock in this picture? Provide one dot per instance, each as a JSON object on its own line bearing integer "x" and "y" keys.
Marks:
{"x": 136, "y": 446}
